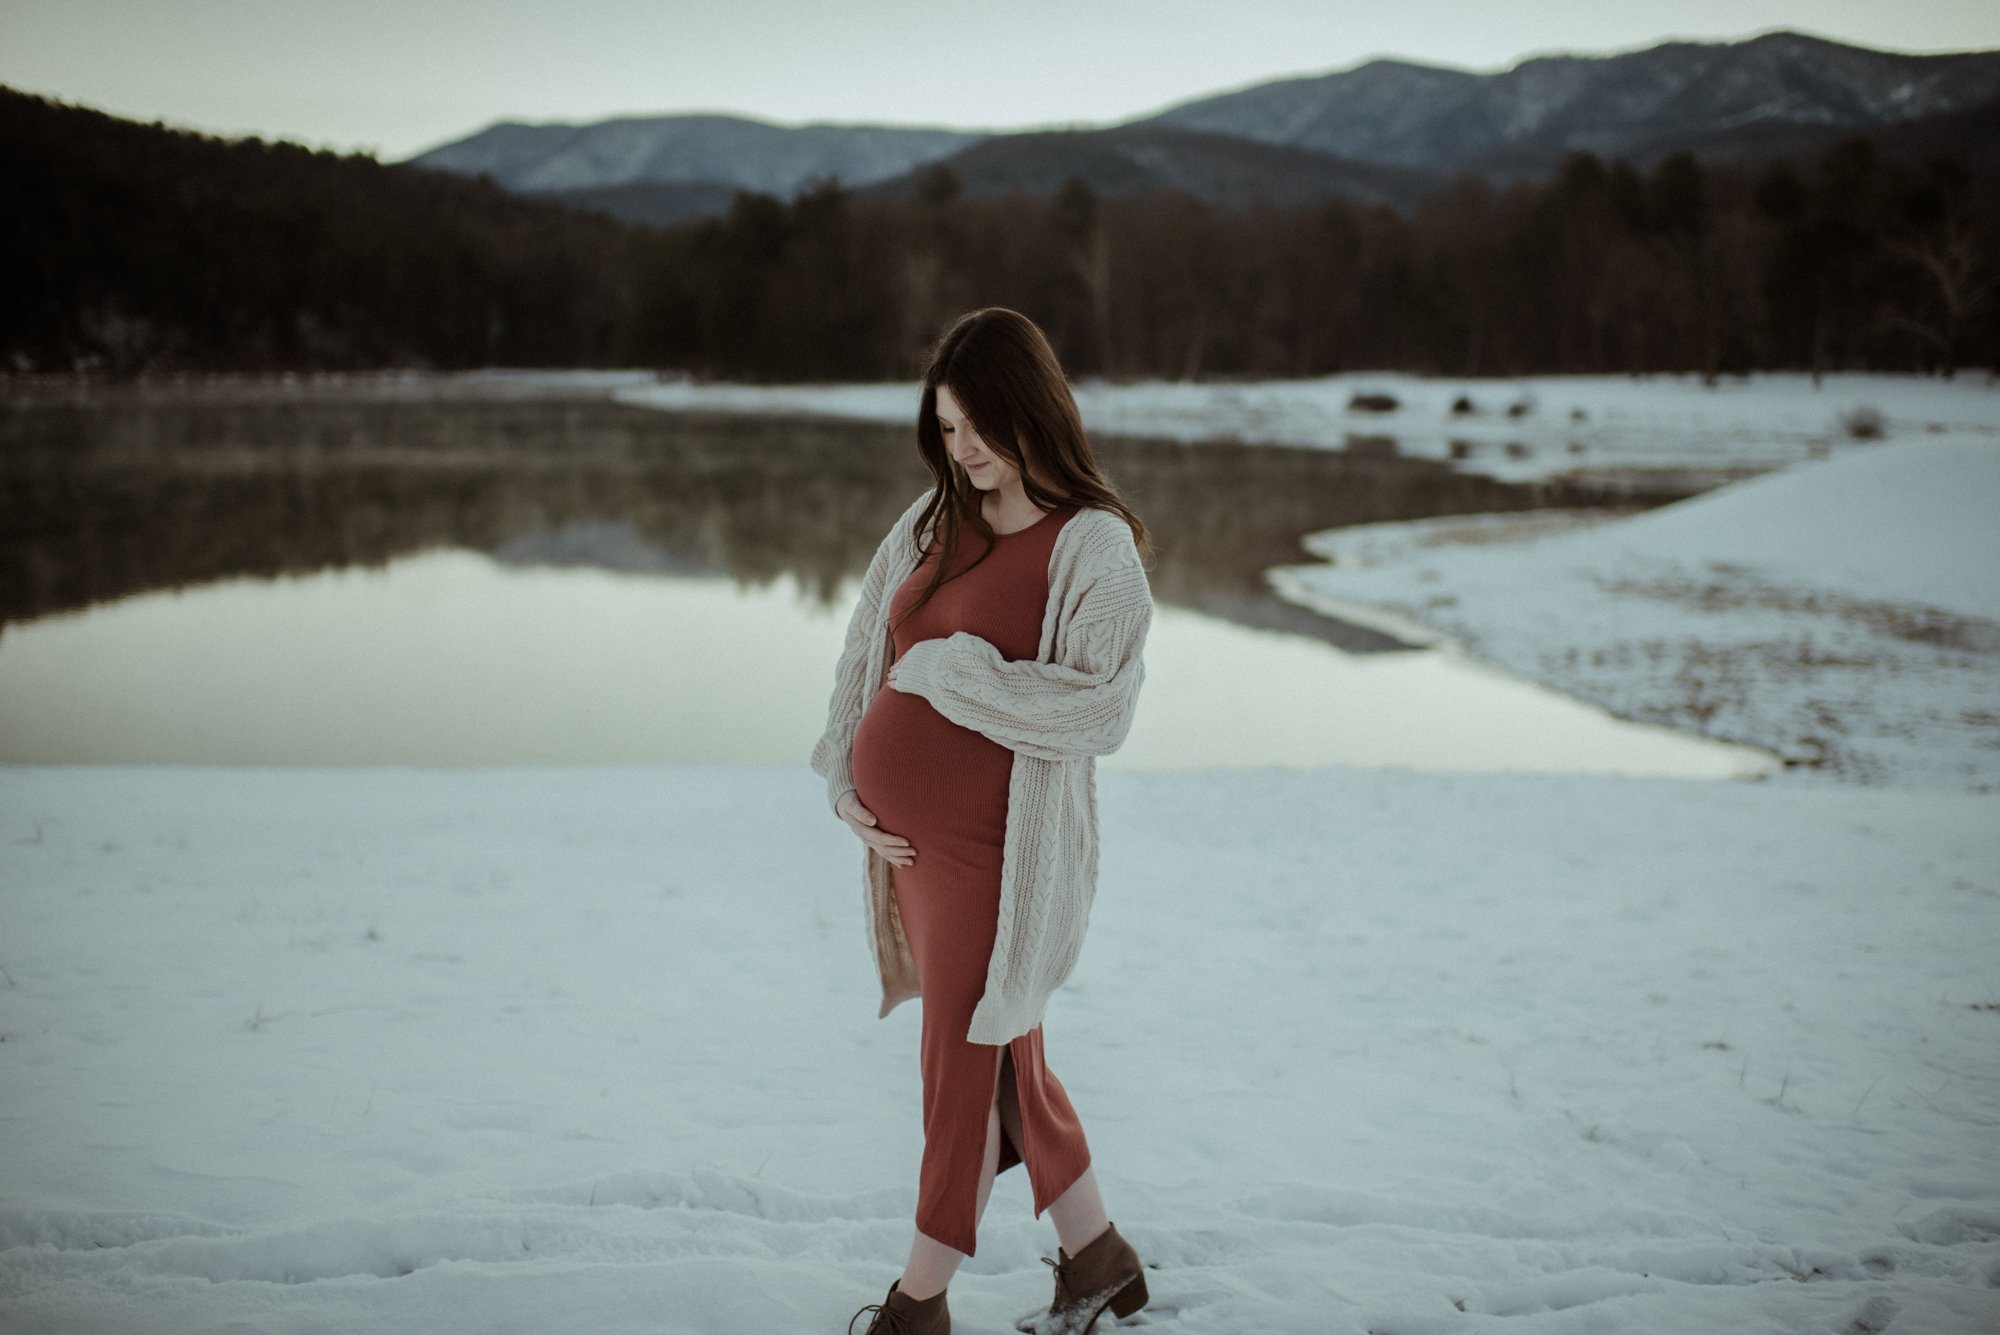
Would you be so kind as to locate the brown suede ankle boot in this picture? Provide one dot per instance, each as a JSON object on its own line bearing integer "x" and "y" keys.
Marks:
{"x": 1106, "y": 1273}
{"x": 900, "y": 1314}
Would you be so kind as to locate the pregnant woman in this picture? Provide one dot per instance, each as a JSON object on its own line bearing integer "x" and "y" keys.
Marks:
{"x": 994, "y": 654}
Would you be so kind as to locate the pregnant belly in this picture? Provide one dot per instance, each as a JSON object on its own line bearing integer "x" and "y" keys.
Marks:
{"x": 923, "y": 775}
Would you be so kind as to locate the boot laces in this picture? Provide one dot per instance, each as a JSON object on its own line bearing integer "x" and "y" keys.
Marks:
{"x": 888, "y": 1320}
{"x": 1062, "y": 1269}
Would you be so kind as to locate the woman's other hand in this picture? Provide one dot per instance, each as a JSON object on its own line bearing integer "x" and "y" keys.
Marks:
{"x": 861, "y": 820}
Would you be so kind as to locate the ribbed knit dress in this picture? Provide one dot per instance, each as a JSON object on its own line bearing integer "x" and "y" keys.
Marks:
{"x": 944, "y": 788}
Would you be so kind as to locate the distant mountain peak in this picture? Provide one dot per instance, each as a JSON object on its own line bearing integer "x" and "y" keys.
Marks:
{"x": 1629, "y": 103}
{"x": 1385, "y": 129}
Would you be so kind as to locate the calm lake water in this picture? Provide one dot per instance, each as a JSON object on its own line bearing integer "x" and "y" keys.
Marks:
{"x": 434, "y": 573}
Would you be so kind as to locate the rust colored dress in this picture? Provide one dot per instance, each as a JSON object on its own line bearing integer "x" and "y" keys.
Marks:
{"x": 944, "y": 788}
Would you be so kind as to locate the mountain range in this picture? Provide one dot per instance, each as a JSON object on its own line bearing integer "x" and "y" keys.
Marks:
{"x": 1386, "y": 131}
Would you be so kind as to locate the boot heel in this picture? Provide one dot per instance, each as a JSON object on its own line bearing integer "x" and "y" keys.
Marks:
{"x": 1130, "y": 1298}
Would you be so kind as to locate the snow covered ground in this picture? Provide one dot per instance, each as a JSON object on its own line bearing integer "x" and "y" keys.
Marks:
{"x": 543, "y": 1050}
{"x": 1843, "y": 612}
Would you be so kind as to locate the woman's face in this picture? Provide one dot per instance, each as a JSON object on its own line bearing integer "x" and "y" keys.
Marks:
{"x": 985, "y": 469}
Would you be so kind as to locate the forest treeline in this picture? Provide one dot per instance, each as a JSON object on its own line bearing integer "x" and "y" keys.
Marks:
{"x": 128, "y": 247}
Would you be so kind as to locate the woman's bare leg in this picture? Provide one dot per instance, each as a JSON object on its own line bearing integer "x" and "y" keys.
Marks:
{"x": 1078, "y": 1213}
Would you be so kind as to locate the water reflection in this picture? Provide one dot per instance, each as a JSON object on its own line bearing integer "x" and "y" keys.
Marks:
{"x": 367, "y": 575}
{"x": 126, "y": 491}
{"x": 453, "y": 658}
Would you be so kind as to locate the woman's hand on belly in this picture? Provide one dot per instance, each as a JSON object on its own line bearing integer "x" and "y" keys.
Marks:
{"x": 861, "y": 820}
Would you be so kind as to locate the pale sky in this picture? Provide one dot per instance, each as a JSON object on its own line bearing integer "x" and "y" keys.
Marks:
{"x": 393, "y": 77}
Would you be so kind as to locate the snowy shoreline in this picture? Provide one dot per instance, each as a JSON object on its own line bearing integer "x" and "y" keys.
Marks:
{"x": 1603, "y": 428}
{"x": 1844, "y": 613}
{"x": 558, "y": 1049}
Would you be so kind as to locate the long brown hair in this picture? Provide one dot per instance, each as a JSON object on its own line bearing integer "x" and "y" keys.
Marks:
{"x": 1000, "y": 367}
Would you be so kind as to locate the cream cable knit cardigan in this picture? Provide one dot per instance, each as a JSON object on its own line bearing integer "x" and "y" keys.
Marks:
{"x": 1075, "y": 702}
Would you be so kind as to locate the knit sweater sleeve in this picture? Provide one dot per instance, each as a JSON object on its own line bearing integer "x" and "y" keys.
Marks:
{"x": 850, "y": 689}
{"x": 1082, "y": 706}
